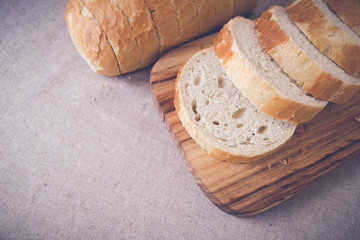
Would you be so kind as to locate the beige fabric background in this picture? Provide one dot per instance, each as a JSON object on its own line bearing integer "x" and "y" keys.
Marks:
{"x": 72, "y": 167}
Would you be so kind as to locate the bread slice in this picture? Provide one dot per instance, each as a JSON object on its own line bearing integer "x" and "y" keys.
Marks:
{"x": 89, "y": 39}
{"x": 258, "y": 77}
{"x": 348, "y": 11}
{"x": 328, "y": 33}
{"x": 301, "y": 60}
{"x": 219, "y": 118}
{"x": 118, "y": 31}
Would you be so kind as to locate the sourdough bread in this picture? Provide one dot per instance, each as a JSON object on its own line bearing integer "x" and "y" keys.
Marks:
{"x": 303, "y": 62}
{"x": 258, "y": 77}
{"x": 219, "y": 118}
{"x": 90, "y": 39}
{"x": 348, "y": 11}
{"x": 118, "y": 32}
{"x": 328, "y": 33}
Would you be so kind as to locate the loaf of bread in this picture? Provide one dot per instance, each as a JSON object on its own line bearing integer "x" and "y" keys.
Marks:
{"x": 120, "y": 36}
{"x": 258, "y": 77}
{"x": 328, "y": 33}
{"x": 219, "y": 118}
{"x": 301, "y": 60}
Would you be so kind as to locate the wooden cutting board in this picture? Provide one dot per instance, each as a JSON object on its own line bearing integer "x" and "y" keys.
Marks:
{"x": 316, "y": 148}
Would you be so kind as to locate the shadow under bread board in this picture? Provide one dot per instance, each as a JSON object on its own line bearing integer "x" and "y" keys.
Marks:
{"x": 317, "y": 147}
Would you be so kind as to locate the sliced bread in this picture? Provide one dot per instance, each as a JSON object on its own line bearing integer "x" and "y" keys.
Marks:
{"x": 328, "y": 33}
{"x": 301, "y": 60}
{"x": 258, "y": 77}
{"x": 219, "y": 118}
{"x": 348, "y": 11}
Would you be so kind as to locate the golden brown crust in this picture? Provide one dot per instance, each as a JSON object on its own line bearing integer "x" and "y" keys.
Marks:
{"x": 139, "y": 18}
{"x": 118, "y": 31}
{"x": 243, "y": 7}
{"x": 270, "y": 33}
{"x": 126, "y": 35}
{"x": 89, "y": 39}
{"x": 165, "y": 22}
{"x": 222, "y": 45}
{"x": 223, "y": 11}
{"x": 296, "y": 63}
{"x": 345, "y": 93}
{"x": 255, "y": 88}
{"x": 325, "y": 35}
{"x": 206, "y": 8}
{"x": 348, "y": 11}
{"x": 188, "y": 22}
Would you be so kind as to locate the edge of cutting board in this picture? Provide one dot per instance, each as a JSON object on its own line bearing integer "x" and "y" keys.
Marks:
{"x": 317, "y": 147}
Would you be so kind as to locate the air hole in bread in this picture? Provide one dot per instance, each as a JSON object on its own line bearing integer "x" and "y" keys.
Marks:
{"x": 197, "y": 117}
{"x": 248, "y": 139}
{"x": 238, "y": 113}
{"x": 207, "y": 102}
{"x": 224, "y": 140}
{"x": 216, "y": 123}
{"x": 193, "y": 106}
{"x": 225, "y": 124}
{"x": 197, "y": 80}
{"x": 220, "y": 82}
{"x": 265, "y": 139}
{"x": 240, "y": 125}
{"x": 261, "y": 129}
{"x": 186, "y": 86}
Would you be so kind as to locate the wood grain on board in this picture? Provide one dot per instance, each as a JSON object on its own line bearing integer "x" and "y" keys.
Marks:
{"x": 317, "y": 147}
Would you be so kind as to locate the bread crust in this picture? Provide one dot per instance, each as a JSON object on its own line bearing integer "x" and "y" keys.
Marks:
{"x": 206, "y": 8}
{"x": 243, "y": 7}
{"x": 348, "y": 11}
{"x": 204, "y": 143}
{"x": 223, "y": 11}
{"x": 326, "y": 36}
{"x": 89, "y": 39}
{"x": 118, "y": 31}
{"x": 139, "y": 18}
{"x": 187, "y": 19}
{"x": 121, "y": 36}
{"x": 255, "y": 88}
{"x": 296, "y": 63}
{"x": 165, "y": 23}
